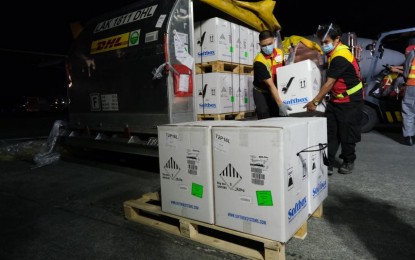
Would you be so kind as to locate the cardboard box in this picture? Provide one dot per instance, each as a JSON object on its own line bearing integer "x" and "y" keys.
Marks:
{"x": 251, "y": 93}
{"x": 314, "y": 165}
{"x": 317, "y": 171}
{"x": 251, "y": 47}
{"x": 257, "y": 48}
{"x": 217, "y": 40}
{"x": 242, "y": 45}
{"x": 215, "y": 93}
{"x": 185, "y": 158}
{"x": 298, "y": 84}
{"x": 241, "y": 90}
{"x": 258, "y": 178}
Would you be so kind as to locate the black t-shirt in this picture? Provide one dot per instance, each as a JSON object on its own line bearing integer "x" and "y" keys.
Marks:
{"x": 341, "y": 68}
{"x": 260, "y": 74}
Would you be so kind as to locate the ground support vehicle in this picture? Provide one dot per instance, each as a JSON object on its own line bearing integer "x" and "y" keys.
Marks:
{"x": 386, "y": 108}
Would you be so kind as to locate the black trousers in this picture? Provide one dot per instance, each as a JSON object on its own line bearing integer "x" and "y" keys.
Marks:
{"x": 265, "y": 105}
{"x": 343, "y": 128}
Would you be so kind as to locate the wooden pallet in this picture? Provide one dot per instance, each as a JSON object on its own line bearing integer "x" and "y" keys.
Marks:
{"x": 223, "y": 66}
{"x": 226, "y": 116}
{"x": 246, "y": 69}
{"x": 302, "y": 231}
{"x": 147, "y": 211}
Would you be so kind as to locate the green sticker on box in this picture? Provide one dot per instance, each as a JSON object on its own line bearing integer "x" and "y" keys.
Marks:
{"x": 246, "y": 54}
{"x": 197, "y": 190}
{"x": 231, "y": 49}
{"x": 264, "y": 197}
{"x": 246, "y": 100}
{"x": 232, "y": 98}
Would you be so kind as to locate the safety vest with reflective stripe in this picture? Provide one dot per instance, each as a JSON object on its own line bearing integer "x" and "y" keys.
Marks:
{"x": 275, "y": 61}
{"x": 410, "y": 81}
{"x": 343, "y": 50}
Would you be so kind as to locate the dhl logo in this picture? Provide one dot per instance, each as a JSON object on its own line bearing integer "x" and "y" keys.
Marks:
{"x": 110, "y": 43}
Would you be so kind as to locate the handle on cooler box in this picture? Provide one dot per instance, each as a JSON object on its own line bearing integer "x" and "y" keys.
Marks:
{"x": 321, "y": 147}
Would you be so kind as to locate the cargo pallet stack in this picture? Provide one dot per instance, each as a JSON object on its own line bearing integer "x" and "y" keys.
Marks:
{"x": 224, "y": 54}
{"x": 245, "y": 187}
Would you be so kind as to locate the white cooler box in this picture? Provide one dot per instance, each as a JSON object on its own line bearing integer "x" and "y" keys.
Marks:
{"x": 259, "y": 184}
{"x": 185, "y": 158}
{"x": 298, "y": 84}
{"x": 217, "y": 44}
{"x": 215, "y": 93}
{"x": 314, "y": 166}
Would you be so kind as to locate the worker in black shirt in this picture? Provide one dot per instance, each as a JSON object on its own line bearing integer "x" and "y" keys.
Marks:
{"x": 344, "y": 110}
{"x": 267, "y": 100}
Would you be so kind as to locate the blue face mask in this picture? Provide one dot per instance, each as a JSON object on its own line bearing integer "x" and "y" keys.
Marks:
{"x": 328, "y": 47}
{"x": 268, "y": 49}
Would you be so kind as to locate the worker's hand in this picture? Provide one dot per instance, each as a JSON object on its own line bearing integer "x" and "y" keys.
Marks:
{"x": 396, "y": 69}
{"x": 283, "y": 109}
{"x": 310, "y": 107}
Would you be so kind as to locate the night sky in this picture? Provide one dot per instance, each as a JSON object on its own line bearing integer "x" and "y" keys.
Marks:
{"x": 36, "y": 36}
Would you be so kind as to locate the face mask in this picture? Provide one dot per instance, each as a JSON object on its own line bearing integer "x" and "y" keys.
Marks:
{"x": 328, "y": 47}
{"x": 268, "y": 49}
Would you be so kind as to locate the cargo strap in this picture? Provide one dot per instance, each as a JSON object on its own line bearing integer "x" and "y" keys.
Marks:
{"x": 350, "y": 91}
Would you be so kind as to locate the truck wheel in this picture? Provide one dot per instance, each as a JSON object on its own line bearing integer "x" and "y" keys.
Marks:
{"x": 369, "y": 119}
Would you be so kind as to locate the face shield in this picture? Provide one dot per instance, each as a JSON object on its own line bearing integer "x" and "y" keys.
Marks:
{"x": 320, "y": 27}
{"x": 277, "y": 40}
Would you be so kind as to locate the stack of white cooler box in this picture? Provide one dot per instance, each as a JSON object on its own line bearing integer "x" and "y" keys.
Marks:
{"x": 222, "y": 92}
{"x": 244, "y": 175}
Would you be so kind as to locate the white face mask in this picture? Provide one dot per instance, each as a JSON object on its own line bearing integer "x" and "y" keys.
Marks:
{"x": 328, "y": 47}
{"x": 268, "y": 49}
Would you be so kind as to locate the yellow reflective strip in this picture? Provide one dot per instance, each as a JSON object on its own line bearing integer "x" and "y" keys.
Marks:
{"x": 355, "y": 88}
{"x": 389, "y": 116}
{"x": 411, "y": 76}
{"x": 352, "y": 90}
{"x": 398, "y": 116}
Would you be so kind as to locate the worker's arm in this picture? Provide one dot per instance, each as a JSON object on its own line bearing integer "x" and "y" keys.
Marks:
{"x": 273, "y": 90}
{"x": 321, "y": 94}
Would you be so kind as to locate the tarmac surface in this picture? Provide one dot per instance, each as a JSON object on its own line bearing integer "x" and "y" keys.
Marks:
{"x": 73, "y": 208}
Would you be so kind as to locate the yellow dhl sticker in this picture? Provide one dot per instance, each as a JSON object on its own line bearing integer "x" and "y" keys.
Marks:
{"x": 110, "y": 43}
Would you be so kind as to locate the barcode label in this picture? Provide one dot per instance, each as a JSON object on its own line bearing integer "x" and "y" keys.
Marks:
{"x": 256, "y": 170}
{"x": 258, "y": 178}
{"x": 191, "y": 167}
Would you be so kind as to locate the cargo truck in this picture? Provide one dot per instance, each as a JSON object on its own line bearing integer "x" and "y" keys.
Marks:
{"x": 133, "y": 69}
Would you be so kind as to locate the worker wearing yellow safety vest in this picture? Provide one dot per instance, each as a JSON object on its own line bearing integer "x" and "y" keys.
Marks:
{"x": 408, "y": 101}
{"x": 266, "y": 98}
{"x": 344, "y": 109}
